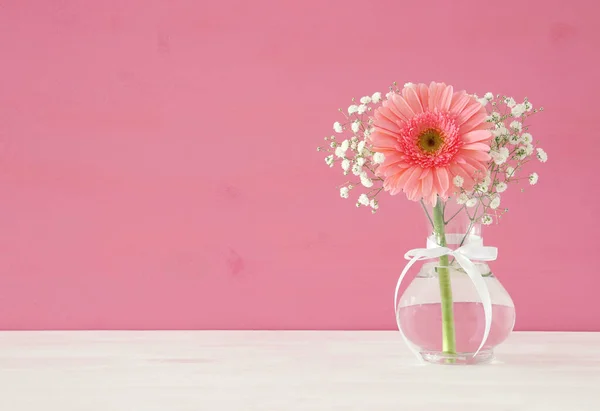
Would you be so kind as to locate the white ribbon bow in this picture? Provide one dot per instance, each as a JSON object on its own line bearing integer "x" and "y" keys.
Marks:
{"x": 474, "y": 250}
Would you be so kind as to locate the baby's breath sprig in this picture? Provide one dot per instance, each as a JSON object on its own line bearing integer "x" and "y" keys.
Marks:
{"x": 511, "y": 148}
{"x": 351, "y": 149}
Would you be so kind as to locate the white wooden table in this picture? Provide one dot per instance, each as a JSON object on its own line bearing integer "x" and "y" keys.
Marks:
{"x": 288, "y": 371}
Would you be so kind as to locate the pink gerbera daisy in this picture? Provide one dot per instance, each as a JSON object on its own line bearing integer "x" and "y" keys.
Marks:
{"x": 429, "y": 134}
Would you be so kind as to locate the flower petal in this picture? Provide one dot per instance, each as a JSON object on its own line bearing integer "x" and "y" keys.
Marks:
{"x": 470, "y": 109}
{"x": 413, "y": 179}
{"x": 385, "y": 119}
{"x": 427, "y": 182}
{"x": 412, "y": 98}
{"x": 442, "y": 180}
{"x": 459, "y": 101}
{"x": 468, "y": 169}
{"x": 435, "y": 90}
{"x": 382, "y": 139}
{"x": 480, "y": 166}
{"x": 474, "y": 121}
{"x": 415, "y": 193}
{"x": 476, "y": 146}
{"x": 476, "y": 135}
{"x": 457, "y": 170}
{"x": 404, "y": 110}
{"x": 446, "y": 98}
{"x": 476, "y": 155}
{"x": 431, "y": 200}
{"x": 423, "y": 92}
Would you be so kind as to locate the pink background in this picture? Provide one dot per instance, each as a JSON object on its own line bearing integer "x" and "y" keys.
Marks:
{"x": 158, "y": 165}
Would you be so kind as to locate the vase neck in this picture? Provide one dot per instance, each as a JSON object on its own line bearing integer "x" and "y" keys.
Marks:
{"x": 455, "y": 240}
{"x": 458, "y": 227}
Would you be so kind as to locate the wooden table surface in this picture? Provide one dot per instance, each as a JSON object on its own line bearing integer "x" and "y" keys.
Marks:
{"x": 288, "y": 371}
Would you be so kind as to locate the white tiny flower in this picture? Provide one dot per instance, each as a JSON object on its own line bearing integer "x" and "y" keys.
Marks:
{"x": 389, "y": 94}
{"x": 471, "y": 202}
{"x": 516, "y": 125}
{"x": 483, "y": 101}
{"x": 500, "y": 130}
{"x": 352, "y": 109}
{"x": 514, "y": 139}
{"x": 329, "y": 160}
{"x": 501, "y": 187}
{"x": 356, "y": 169}
{"x": 495, "y": 203}
{"x": 340, "y": 152}
{"x": 376, "y": 97}
{"x": 360, "y": 148}
{"x": 409, "y": 84}
{"x": 355, "y": 126}
{"x": 378, "y": 158}
{"x": 374, "y": 204}
{"x": 528, "y": 149}
{"x": 494, "y": 117}
{"x": 528, "y": 106}
{"x": 533, "y": 178}
{"x": 344, "y": 192}
{"x": 363, "y": 199}
{"x": 345, "y": 164}
{"x": 541, "y": 155}
{"x": 488, "y": 178}
{"x": 365, "y": 100}
{"x": 487, "y": 219}
{"x": 361, "y": 109}
{"x": 497, "y": 157}
{"x": 353, "y": 145}
{"x": 518, "y": 110}
{"x": 458, "y": 181}
{"x": 520, "y": 153}
{"x": 526, "y": 138}
{"x": 345, "y": 145}
{"x": 337, "y": 127}
{"x": 510, "y": 172}
{"x": 365, "y": 180}
{"x": 510, "y": 102}
{"x": 498, "y": 142}
{"x": 367, "y": 132}
{"x": 500, "y": 155}
{"x": 462, "y": 198}
{"x": 361, "y": 161}
{"x": 488, "y": 96}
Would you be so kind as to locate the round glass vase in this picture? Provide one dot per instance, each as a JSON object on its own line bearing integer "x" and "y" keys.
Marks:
{"x": 420, "y": 309}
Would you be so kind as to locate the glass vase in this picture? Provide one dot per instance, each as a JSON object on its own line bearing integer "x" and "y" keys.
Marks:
{"x": 440, "y": 313}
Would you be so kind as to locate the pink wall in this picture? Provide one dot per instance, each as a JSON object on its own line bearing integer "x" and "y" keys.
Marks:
{"x": 158, "y": 165}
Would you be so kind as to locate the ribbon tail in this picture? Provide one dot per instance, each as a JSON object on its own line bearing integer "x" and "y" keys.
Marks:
{"x": 482, "y": 291}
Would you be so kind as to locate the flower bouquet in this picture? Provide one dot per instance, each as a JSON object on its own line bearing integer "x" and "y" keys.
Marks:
{"x": 456, "y": 154}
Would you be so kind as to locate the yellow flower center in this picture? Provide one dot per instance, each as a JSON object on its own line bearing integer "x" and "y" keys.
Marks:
{"x": 430, "y": 140}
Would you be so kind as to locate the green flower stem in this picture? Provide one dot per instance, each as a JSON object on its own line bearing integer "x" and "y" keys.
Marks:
{"x": 448, "y": 337}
